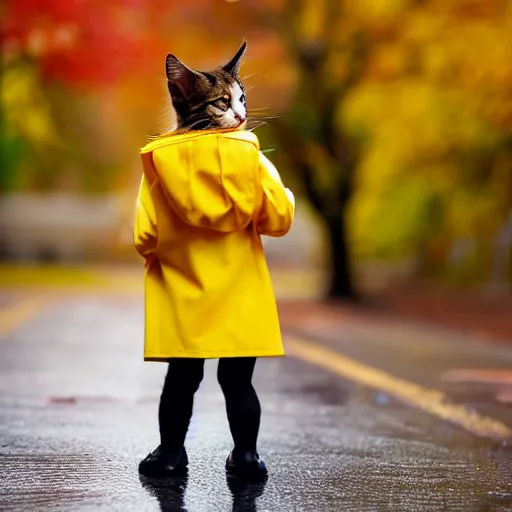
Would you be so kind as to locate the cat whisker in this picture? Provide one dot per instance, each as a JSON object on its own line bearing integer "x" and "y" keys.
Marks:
{"x": 199, "y": 121}
{"x": 259, "y": 125}
{"x": 266, "y": 118}
{"x": 246, "y": 77}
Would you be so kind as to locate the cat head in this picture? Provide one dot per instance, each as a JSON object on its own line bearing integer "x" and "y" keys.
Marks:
{"x": 203, "y": 100}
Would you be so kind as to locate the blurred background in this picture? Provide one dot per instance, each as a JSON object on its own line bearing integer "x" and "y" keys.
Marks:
{"x": 390, "y": 119}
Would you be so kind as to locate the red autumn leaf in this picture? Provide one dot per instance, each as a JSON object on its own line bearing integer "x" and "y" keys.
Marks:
{"x": 76, "y": 41}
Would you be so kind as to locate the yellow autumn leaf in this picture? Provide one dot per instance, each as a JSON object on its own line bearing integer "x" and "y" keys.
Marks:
{"x": 26, "y": 109}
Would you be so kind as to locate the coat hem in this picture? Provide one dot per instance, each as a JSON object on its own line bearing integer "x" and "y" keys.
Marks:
{"x": 163, "y": 358}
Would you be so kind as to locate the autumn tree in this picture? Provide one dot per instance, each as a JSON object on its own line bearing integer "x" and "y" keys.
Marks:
{"x": 74, "y": 47}
{"x": 395, "y": 129}
{"x": 331, "y": 54}
{"x": 434, "y": 181}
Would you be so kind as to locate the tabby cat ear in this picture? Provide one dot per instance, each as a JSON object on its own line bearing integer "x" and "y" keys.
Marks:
{"x": 180, "y": 76}
{"x": 233, "y": 65}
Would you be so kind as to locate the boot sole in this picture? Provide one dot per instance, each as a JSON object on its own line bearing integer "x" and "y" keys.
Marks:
{"x": 249, "y": 476}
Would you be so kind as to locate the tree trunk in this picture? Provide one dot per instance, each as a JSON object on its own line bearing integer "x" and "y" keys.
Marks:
{"x": 341, "y": 285}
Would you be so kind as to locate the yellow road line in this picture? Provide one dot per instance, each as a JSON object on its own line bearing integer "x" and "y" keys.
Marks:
{"x": 429, "y": 400}
{"x": 21, "y": 311}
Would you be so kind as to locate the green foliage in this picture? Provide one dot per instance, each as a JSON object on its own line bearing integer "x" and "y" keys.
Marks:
{"x": 11, "y": 155}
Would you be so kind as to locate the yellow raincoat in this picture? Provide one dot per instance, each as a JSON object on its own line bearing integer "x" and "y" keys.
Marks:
{"x": 204, "y": 200}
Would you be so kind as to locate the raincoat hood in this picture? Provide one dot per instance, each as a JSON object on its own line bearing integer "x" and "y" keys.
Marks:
{"x": 210, "y": 179}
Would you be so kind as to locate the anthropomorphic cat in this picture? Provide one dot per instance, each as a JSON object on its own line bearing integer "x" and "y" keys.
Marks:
{"x": 207, "y": 195}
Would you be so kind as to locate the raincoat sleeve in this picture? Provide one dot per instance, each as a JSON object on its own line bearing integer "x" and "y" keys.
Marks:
{"x": 278, "y": 206}
{"x": 145, "y": 231}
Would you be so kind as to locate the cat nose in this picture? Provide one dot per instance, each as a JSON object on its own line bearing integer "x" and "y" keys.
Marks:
{"x": 239, "y": 118}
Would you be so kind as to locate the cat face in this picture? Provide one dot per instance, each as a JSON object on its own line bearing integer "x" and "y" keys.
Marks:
{"x": 202, "y": 100}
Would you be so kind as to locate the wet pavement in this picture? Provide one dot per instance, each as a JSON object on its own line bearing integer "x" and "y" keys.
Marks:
{"x": 78, "y": 411}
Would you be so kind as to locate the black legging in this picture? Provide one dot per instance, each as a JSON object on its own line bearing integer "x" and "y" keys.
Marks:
{"x": 242, "y": 404}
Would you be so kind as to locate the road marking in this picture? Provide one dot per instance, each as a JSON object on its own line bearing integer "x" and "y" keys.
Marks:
{"x": 429, "y": 400}
{"x": 20, "y": 312}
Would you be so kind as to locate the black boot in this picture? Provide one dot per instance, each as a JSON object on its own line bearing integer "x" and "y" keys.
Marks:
{"x": 246, "y": 465}
{"x": 164, "y": 464}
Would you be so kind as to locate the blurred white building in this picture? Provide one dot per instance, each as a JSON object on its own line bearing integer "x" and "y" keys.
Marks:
{"x": 73, "y": 227}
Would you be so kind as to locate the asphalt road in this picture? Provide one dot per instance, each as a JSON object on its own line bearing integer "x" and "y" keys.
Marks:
{"x": 78, "y": 411}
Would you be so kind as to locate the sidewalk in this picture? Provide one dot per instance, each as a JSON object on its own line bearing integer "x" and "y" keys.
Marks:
{"x": 475, "y": 318}
{"x": 476, "y": 315}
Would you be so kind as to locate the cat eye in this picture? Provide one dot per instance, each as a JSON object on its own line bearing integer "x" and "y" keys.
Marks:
{"x": 222, "y": 104}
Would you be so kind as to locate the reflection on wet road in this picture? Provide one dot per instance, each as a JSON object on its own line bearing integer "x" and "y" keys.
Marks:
{"x": 78, "y": 410}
